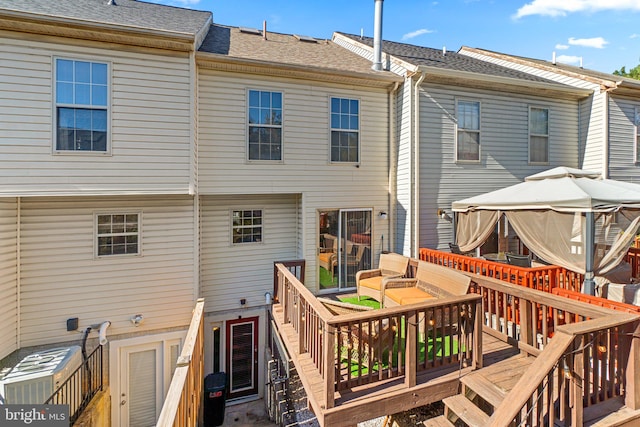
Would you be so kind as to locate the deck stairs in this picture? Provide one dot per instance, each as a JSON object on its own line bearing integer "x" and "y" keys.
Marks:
{"x": 482, "y": 391}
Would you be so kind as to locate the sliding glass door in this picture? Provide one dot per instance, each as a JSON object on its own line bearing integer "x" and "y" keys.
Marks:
{"x": 344, "y": 237}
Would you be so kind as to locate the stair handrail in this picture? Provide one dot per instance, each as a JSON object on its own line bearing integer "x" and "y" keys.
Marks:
{"x": 558, "y": 347}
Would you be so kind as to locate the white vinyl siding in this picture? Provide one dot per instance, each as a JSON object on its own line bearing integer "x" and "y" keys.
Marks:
{"x": 504, "y": 159}
{"x": 636, "y": 122}
{"x": 306, "y": 171}
{"x": 230, "y": 272}
{"x": 404, "y": 188}
{"x": 623, "y": 136}
{"x": 8, "y": 277}
{"x": 150, "y": 123}
{"x": 61, "y": 278}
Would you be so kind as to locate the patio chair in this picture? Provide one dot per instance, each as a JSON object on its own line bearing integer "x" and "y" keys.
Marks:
{"x": 327, "y": 258}
{"x": 369, "y": 282}
{"x": 455, "y": 249}
{"x": 519, "y": 260}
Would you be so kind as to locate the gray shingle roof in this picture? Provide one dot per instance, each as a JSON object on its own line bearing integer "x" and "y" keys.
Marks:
{"x": 285, "y": 49}
{"x": 127, "y": 12}
{"x": 429, "y": 57}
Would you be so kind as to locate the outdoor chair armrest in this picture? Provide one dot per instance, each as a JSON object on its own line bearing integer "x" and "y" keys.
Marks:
{"x": 397, "y": 282}
{"x": 366, "y": 274}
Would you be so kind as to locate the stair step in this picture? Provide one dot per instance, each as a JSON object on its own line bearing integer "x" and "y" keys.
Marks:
{"x": 466, "y": 411}
{"x": 484, "y": 388}
{"x": 440, "y": 421}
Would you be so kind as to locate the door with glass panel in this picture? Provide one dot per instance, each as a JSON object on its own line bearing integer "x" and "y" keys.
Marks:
{"x": 344, "y": 237}
{"x": 242, "y": 356}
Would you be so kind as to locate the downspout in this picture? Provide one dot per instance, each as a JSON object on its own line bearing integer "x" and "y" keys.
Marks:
{"x": 605, "y": 149}
{"x": 416, "y": 168}
{"x": 377, "y": 37}
{"x": 18, "y": 275}
{"x": 392, "y": 168}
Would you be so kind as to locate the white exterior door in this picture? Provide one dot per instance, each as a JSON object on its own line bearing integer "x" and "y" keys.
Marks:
{"x": 141, "y": 385}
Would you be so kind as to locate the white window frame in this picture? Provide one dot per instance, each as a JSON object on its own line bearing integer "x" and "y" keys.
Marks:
{"x": 531, "y": 134}
{"x": 98, "y": 235}
{"x": 636, "y": 123}
{"x": 458, "y": 130}
{"x": 56, "y": 105}
{"x": 232, "y": 226}
{"x": 340, "y": 129}
{"x": 268, "y": 126}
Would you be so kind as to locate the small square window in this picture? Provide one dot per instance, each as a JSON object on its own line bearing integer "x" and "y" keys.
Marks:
{"x": 246, "y": 226}
{"x": 117, "y": 234}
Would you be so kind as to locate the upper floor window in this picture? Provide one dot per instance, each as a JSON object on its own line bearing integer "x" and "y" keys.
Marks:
{"x": 118, "y": 234}
{"x": 345, "y": 130}
{"x": 246, "y": 226}
{"x": 82, "y": 92}
{"x": 636, "y": 122}
{"x": 265, "y": 125}
{"x": 538, "y": 135}
{"x": 468, "y": 135}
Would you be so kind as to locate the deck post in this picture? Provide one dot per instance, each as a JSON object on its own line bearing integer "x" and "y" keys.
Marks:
{"x": 410, "y": 350}
{"x": 329, "y": 343}
{"x": 477, "y": 335}
{"x": 577, "y": 370}
{"x": 632, "y": 389}
{"x": 525, "y": 321}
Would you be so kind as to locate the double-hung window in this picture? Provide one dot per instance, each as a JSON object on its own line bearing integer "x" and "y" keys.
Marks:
{"x": 81, "y": 99}
{"x": 538, "y": 135}
{"x": 118, "y": 233}
{"x": 246, "y": 226}
{"x": 468, "y": 134}
{"x": 636, "y": 123}
{"x": 345, "y": 130}
{"x": 265, "y": 125}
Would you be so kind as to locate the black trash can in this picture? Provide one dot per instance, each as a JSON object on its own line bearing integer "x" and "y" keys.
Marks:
{"x": 215, "y": 397}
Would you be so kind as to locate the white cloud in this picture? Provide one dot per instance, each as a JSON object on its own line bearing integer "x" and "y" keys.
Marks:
{"x": 634, "y": 36}
{"x": 595, "y": 42}
{"x": 562, "y": 8}
{"x": 416, "y": 33}
{"x": 568, "y": 59}
{"x": 562, "y": 46}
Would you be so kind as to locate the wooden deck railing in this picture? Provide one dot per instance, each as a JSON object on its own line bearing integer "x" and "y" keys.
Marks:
{"x": 377, "y": 345}
{"x": 540, "y": 278}
{"x": 182, "y": 407}
{"x": 633, "y": 258}
{"x": 587, "y": 362}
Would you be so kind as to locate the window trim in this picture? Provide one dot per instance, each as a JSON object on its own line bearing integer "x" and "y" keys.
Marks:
{"x": 231, "y": 226}
{"x": 530, "y": 134}
{"x": 96, "y": 236}
{"x": 54, "y": 106}
{"x": 358, "y": 131}
{"x": 248, "y": 125}
{"x": 636, "y": 124}
{"x": 457, "y": 130}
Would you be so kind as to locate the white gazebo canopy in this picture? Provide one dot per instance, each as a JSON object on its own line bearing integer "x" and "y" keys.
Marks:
{"x": 559, "y": 214}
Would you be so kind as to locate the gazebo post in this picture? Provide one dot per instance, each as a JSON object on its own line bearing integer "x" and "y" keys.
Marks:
{"x": 589, "y": 285}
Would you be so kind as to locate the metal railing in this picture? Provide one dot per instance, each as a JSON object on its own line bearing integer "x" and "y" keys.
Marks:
{"x": 78, "y": 390}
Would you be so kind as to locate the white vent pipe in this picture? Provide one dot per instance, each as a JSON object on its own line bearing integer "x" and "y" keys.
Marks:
{"x": 377, "y": 37}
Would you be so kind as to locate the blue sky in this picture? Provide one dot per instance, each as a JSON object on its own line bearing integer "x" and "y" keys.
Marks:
{"x": 604, "y": 33}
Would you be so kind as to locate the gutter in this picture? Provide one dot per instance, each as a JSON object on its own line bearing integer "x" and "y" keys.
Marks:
{"x": 18, "y": 275}
{"x": 416, "y": 168}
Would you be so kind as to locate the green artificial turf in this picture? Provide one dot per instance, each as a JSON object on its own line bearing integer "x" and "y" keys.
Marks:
{"x": 364, "y": 301}
{"x": 325, "y": 279}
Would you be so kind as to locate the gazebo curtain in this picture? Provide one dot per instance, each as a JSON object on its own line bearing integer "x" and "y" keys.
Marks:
{"x": 474, "y": 228}
{"x": 556, "y": 237}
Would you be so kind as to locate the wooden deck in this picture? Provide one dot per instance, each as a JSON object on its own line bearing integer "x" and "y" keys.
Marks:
{"x": 528, "y": 353}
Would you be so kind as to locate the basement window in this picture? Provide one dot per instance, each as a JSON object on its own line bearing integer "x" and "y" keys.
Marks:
{"x": 117, "y": 234}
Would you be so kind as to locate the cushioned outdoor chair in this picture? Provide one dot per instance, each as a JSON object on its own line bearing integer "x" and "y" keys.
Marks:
{"x": 369, "y": 282}
{"x": 519, "y": 260}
